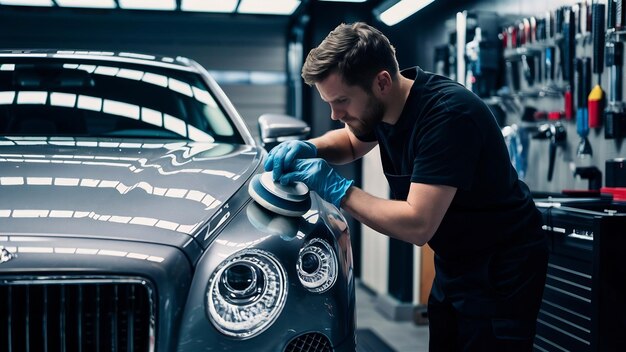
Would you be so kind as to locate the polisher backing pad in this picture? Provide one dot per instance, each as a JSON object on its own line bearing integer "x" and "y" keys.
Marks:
{"x": 288, "y": 200}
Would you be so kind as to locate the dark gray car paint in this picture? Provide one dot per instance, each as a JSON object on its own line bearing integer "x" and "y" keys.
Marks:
{"x": 233, "y": 224}
{"x": 170, "y": 276}
{"x": 135, "y": 180}
{"x": 255, "y": 227}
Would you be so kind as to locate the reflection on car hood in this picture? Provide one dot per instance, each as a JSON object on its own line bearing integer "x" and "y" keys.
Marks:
{"x": 151, "y": 191}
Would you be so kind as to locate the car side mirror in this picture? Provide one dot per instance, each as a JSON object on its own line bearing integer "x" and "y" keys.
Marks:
{"x": 276, "y": 128}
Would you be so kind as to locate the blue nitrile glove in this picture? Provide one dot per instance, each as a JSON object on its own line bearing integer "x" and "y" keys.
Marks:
{"x": 319, "y": 177}
{"x": 282, "y": 156}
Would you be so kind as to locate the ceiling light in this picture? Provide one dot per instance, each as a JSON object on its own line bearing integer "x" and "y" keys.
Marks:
{"x": 209, "y": 5}
{"x": 27, "y": 2}
{"x": 148, "y": 4}
{"x": 274, "y": 7}
{"x": 96, "y": 4}
{"x": 345, "y": 0}
{"x": 402, "y": 9}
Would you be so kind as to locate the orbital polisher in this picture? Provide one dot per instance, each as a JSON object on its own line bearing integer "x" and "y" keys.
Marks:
{"x": 288, "y": 200}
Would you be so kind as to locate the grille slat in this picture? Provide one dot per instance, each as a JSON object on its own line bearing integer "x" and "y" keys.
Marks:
{"x": 97, "y": 328}
{"x": 75, "y": 315}
{"x": 79, "y": 315}
{"x": 27, "y": 316}
{"x": 62, "y": 319}
{"x": 44, "y": 320}
{"x": 131, "y": 317}
{"x": 9, "y": 321}
{"x": 114, "y": 320}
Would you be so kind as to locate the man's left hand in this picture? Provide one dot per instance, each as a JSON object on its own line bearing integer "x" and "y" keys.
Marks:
{"x": 319, "y": 177}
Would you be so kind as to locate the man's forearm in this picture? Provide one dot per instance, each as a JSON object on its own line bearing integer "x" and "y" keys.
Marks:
{"x": 334, "y": 146}
{"x": 393, "y": 218}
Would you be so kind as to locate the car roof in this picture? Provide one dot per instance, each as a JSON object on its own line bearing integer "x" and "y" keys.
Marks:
{"x": 177, "y": 63}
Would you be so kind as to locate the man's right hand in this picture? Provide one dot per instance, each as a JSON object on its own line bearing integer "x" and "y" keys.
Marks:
{"x": 283, "y": 156}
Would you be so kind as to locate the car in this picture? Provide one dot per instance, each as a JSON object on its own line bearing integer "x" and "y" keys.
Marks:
{"x": 126, "y": 222}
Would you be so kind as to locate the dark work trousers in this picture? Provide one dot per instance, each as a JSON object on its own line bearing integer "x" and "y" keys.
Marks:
{"x": 488, "y": 304}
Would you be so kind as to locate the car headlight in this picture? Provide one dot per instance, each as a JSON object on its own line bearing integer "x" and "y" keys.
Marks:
{"x": 246, "y": 293}
{"x": 317, "y": 266}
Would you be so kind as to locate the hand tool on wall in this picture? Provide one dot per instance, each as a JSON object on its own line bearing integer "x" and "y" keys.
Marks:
{"x": 536, "y": 56}
{"x": 521, "y": 38}
{"x": 615, "y": 112}
{"x": 610, "y": 17}
{"x": 541, "y": 30}
{"x": 558, "y": 20}
{"x": 550, "y": 54}
{"x": 583, "y": 86}
{"x": 549, "y": 57}
{"x": 512, "y": 75}
{"x": 556, "y": 36}
{"x": 509, "y": 42}
{"x": 511, "y": 37}
{"x": 568, "y": 52}
{"x": 557, "y": 134}
{"x": 596, "y": 97}
{"x": 528, "y": 68}
{"x": 584, "y": 18}
{"x": 620, "y": 13}
{"x": 576, "y": 10}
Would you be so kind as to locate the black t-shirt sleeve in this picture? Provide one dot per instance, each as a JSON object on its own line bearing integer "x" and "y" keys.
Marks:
{"x": 448, "y": 149}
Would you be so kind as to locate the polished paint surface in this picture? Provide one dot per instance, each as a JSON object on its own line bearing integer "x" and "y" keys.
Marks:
{"x": 159, "y": 192}
{"x": 169, "y": 211}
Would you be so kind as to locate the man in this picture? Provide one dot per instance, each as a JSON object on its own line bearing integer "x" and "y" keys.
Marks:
{"x": 451, "y": 179}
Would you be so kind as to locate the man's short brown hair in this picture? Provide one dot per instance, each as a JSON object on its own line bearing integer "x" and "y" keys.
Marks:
{"x": 358, "y": 52}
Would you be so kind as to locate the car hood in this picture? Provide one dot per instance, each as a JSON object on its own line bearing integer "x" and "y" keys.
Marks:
{"x": 150, "y": 191}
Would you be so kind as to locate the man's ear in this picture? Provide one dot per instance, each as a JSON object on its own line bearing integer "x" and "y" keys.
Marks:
{"x": 382, "y": 83}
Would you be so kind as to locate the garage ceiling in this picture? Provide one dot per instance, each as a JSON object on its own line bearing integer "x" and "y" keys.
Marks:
{"x": 274, "y": 7}
{"x": 269, "y": 7}
{"x": 388, "y": 11}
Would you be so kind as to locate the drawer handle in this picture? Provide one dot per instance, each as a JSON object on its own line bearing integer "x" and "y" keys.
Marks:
{"x": 582, "y": 237}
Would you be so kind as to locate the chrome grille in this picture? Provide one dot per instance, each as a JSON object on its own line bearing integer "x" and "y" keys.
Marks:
{"x": 66, "y": 314}
{"x": 312, "y": 342}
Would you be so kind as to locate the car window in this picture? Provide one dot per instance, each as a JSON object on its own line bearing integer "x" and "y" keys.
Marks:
{"x": 50, "y": 97}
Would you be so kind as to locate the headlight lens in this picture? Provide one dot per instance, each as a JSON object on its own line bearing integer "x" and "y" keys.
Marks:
{"x": 317, "y": 266}
{"x": 246, "y": 293}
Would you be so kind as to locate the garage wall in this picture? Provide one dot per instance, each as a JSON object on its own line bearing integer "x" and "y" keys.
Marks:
{"x": 416, "y": 38}
{"x": 218, "y": 42}
{"x": 375, "y": 246}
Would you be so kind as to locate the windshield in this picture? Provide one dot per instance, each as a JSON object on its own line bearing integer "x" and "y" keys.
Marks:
{"x": 87, "y": 98}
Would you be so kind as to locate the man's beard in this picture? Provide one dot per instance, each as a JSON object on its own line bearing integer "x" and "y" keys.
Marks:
{"x": 372, "y": 116}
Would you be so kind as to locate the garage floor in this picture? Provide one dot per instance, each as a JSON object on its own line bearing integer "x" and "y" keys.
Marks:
{"x": 387, "y": 335}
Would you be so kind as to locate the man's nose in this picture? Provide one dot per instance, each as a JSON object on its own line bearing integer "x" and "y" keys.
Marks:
{"x": 336, "y": 114}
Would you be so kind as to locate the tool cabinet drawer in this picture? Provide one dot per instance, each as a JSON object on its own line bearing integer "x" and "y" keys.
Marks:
{"x": 583, "y": 308}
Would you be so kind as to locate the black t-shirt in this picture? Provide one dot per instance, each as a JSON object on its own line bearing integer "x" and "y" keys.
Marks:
{"x": 446, "y": 135}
